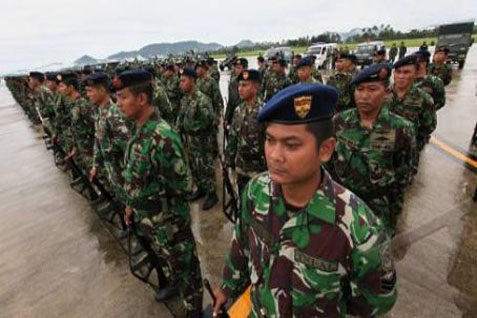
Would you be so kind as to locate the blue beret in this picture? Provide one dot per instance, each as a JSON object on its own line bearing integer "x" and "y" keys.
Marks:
{"x": 407, "y": 60}
{"x": 130, "y": 78}
{"x": 249, "y": 75}
{"x": 68, "y": 79}
{"x": 373, "y": 73}
{"x": 348, "y": 56}
{"x": 423, "y": 55}
{"x": 241, "y": 61}
{"x": 306, "y": 61}
{"x": 98, "y": 78}
{"x": 37, "y": 75}
{"x": 151, "y": 70}
{"x": 189, "y": 72}
{"x": 300, "y": 104}
{"x": 50, "y": 76}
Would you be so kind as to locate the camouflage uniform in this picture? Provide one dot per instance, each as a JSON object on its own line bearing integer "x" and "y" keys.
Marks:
{"x": 275, "y": 82}
{"x": 44, "y": 102}
{"x": 174, "y": 93}
{"x": 210, "y": 87}
{"x": 434, "y": 86}
{"x": 375, "y": 163}
{"x": 196, "y": 123}
{"x": 293, "y": 75}
{"x": 329, "y": 259}
{"x": 234, "y": 99}
{"x": 418, "y": 107}
{"x": 443, "y": 71}
{"x": 316, "y": 74}
{"x": 82, "y": 130}
{"x": 244, "y": 150}
{"x": 342, "y": 82}
{"x": 161, "y": 101}
{"x": 214, "y": 72}
{"x": 262, "y": 69}
{"x": 157, "y": 181}
{"x": 112, "y": 134}
{"x": 62, "y": 125}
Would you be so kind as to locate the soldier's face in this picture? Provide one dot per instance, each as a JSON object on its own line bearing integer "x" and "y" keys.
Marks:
{"x": 51, "y": 85}
{"x": 277, "y": 68}
{"x": 95, "y": 94}
{"x": 128, "y": 103}
{"x": 304, "y": 73}
{"x": 369, "y": 96}
{"x": 238, "y": 69}
{"x": 65, "y": 89}
{"x": 186, "y": 84}
{"x": 200, "y": 71}
{"x": 339, "y": 65}
{"x": 33, "y": 83}
{"x": 439, "y": 57}
{"x": 292, "y": 155}
{"x": 404, "y": 76}
{"x": 247, "y": 89}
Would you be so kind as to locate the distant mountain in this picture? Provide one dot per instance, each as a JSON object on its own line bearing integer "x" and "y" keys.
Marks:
{"x": 164, "y": 49}
{"x": 85, "y": 60}
{"x": 244, "y": 44}
{"x": 351, "y": 33}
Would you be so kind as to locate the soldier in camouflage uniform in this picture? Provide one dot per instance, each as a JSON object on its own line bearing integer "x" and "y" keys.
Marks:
{"x": 277, "y": 80}
{"x": 402, "y": 50}
{"x": 262, "y": 67}
{"x": 196, "y": 124}
{"x": 433, "y": 85}
{"x": 61, "y": 132}
{"x": 293, "y": 74}
{"x": 213, "y": 69}
{"x": 171, "y": 83}
{"x": 160, "y": 99}
{"x": 112, "y": 134}
{"x": 157, "y": 181}
{"x": 240, "y": 65}
{"x": 305, "y": 71}
{"x": 440, "y": 68}
{"x": 316, "y": 73}
{"x": 341, "y": 80}
{"x": 244, "y": 152}
{"x": 38, "y": 96}
{"x": 308, "y": 246}
{"x": 375, "y": 148}
{"x": 412, "y": 103}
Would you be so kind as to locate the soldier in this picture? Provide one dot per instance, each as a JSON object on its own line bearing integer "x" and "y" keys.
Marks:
{"x": 341, "y": 80}
{"x": 51, "y": 82}
{"x": 379, "y": 56}
{"x": 305, "y": 71}
{"x": 424, "y": 46}
{"x": 173, "y": 90}
{"x": 209, "y": 87}
{"x": 375, "y": 148}
{"x": 112, "y": 134}
{"x": 440, "y": 68}
{"x": 293, "y": 69}
{"x": 39, "y": 96}
{"x": 393, "y": 51}
{"x": 412, "y": 103}
{"x": 244, "y": 152}
{"x": 196, "y": 124}
{"x": 240, "y": 65}
{"x": 300, "y": 233}
{"x": 156, "y": 181}
{"x": 213, "y": 69}
{"x": 316, "y": 73}
{"x": 433, "y": 85}
{"x": 278, "y": 79}
{"x": 402, "y": 50}
{"x": 262, "y": 67}
{"x": 82, "y": 123}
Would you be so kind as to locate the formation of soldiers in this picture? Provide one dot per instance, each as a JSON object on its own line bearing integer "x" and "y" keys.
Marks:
{"x": 321, "y": 169}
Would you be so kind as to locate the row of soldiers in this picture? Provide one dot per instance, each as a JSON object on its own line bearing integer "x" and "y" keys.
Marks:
{"x": 152, "y": 152}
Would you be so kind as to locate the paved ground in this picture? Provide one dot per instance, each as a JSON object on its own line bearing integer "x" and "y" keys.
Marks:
{"x": 58, "y": 260}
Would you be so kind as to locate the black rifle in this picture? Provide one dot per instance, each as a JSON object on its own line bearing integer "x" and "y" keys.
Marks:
{"x": 230, "y": 202}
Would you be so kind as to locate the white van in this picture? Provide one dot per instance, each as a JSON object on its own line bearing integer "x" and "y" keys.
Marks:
{"x": 322, "y": 52}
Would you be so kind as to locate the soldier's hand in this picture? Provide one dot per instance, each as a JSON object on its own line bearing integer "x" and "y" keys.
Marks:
{"x": 92, "y": 173}
{"x": 127, "y": 215}
{"x": 220, "y": 300}
{"x": 54, "y": 139}
{"x": 71, "y": 154}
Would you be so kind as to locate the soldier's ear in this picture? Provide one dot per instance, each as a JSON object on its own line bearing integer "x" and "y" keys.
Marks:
{"x": 326, "y": 149}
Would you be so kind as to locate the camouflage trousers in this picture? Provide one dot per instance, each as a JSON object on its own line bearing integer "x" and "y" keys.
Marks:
{"x": 201, "y": 162}
{"x": 174, "y": 245}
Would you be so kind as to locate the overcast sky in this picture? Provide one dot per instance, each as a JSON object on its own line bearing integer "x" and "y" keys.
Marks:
{"x": 35, "y": 33}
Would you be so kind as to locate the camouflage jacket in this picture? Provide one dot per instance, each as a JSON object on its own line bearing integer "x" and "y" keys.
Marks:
{"x": 342, "y": 82}
{"x": 234, "y": 99}
{"x": 246, "y": 139}
{"x": 418, "y": 107}
{"x": 197, "y": 115}
{"x": 214, "y": 73}
{"x": 262, "y": 69}
{"x": 210, "y": 87}
{"x": 44, "y": 102}
{"x": 375, "y": 163}
{"x": 434, "y": 86}
{"x": 156, "y": 177}
{"x": 173, "y": 90}
{"x": 82, "y": 125}
{"x": 274, "y": 83}
{"x": 329, "y": 259}
{"x": 317, "y": 75}
{"x": 112, "y": 133}
{"x": 161, "y": 101}
{"x": 443, "y": 71}
{"x": 62, "y": 122}
{"x": 293, "y": 75}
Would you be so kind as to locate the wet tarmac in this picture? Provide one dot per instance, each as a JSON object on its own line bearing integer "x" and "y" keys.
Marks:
{"x": 58, "y": 260}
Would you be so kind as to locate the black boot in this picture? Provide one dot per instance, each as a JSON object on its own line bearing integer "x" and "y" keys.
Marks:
{"x": 196, "y": 195}
{"x": 210, "y": 201}
{"x": 166, "y": 293}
